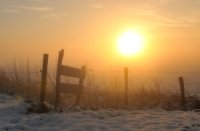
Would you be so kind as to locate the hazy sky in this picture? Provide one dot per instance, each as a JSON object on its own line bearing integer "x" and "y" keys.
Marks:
{"x": 88, "y": 29}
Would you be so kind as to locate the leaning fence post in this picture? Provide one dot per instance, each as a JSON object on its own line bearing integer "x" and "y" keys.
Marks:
{"x": 181, "y": 82}
{"x": 58, "y": 75}
{"x": 44, "y": 77}
{"x": 126, "y": 84}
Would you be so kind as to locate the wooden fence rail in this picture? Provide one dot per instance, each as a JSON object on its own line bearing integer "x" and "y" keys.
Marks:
{"x": 63, "y": 70}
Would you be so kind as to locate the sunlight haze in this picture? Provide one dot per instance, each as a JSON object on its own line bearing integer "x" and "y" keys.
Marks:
{"x": 88, "y": 31}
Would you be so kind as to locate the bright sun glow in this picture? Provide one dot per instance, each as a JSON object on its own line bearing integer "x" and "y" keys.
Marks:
{"x": 130, "y": 43}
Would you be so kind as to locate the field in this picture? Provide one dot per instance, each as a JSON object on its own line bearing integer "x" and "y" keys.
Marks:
{"x": 14, "y": 118}
{"x": 105, "y": 89}
{"x": 154, "y": 102}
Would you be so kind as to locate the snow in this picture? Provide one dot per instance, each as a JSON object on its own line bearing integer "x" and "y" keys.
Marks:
{"x": 13, "y": 118}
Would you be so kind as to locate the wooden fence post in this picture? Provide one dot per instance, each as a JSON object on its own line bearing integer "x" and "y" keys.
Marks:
{"x": 44, "y": 77}
{"x": 126, "y": 84}
{"x": 58, "y": 76}
{"x": 182, "y": 88}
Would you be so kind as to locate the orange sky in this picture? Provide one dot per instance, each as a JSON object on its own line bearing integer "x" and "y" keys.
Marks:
{"x": 88, "y": 31}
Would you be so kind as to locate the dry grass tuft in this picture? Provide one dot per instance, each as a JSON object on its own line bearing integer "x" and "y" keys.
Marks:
{"x": 101, "y": 91}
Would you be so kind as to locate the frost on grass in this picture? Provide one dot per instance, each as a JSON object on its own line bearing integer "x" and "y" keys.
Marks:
{"x": 13, "y": 118}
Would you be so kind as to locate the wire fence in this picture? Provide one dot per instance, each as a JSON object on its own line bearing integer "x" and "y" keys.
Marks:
{"x": 166, "y": 80}
{"x": 137, "y": 78}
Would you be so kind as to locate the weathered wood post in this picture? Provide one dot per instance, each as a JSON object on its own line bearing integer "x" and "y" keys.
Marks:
{"x": 58, "y": 76}
{"x": 44, "y": 78}
{"x": 126, "y": 84}
{"x": 182, "y": 89}
{"x": 43, "y": 107}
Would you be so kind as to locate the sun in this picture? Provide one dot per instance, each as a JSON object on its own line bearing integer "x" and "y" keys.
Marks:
{"x": 130, "y": 43}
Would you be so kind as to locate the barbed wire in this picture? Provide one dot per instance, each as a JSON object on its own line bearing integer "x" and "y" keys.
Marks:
{"x": 21, "y": 72}
{"x": 147, "y": 71}
{"x": 115, "y": 71}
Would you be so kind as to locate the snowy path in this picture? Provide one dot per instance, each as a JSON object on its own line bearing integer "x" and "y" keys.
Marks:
{"x": 12, "y": 118}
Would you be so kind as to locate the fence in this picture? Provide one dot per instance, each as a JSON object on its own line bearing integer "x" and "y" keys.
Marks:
{"x": 129, "y": 79}
{"x": 170, "y": 80}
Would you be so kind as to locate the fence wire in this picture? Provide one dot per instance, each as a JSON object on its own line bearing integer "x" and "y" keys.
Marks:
{"x": 152, "y": 78}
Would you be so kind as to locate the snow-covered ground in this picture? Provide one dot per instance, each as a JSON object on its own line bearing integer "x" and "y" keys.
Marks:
{"x": 13, "y": 118}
